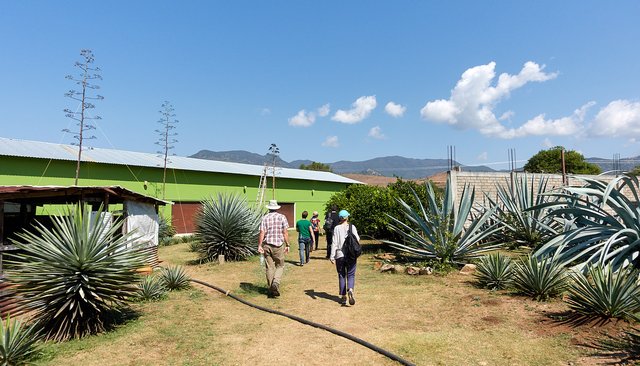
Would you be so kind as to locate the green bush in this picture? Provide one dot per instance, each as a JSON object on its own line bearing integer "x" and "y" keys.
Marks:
{"x": 19, "y": 342}
{"x": 539, "y": 279}
{"x": 166, "y": 231}
{"x": 72, "y": 277}
{"x": 494, "y": 271}
{"x": 604, "y": 293}
{"x": 227, "y": 226}
{"x": 368, "y": 205}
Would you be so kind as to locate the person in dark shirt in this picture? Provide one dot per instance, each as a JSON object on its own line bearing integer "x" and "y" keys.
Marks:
{"x": 331, "y": 220}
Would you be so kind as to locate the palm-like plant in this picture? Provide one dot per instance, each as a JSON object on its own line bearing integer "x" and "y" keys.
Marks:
{"x": 72, "y": 276}
{"x": 150, "y": 288}
{"x": 602, "y": 224}
{"x": 523, "y": 219}
{"x": 494, "y": 271}
{"x": 175, "y": 278}
{"x": 539, "y": 279}
{"x": 18, "y": 343}
{"x": 227, "y": 226}
{"x": 605, "y": 293}
{"x": 438, "y": 230}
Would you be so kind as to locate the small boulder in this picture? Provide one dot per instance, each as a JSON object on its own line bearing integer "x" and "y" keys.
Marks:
{"x": 377, "y": 265}
{"x": 468, "y": 269}
{"x": 425, "y": 271}
{"x": 388, "y": 268}
{"x": 399, "y": 268}
{"x": 413, "y": 271}
{"x": 385, "y": 256}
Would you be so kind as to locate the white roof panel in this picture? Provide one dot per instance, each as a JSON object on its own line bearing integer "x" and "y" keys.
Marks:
{"x": 47, "y": 150}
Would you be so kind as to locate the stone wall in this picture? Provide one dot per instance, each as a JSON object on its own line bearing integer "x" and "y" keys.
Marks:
{"x": 486, "y": 182}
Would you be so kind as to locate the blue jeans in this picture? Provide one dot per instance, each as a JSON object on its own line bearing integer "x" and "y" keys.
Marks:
{"x": 304, "y": 246}
{"x": 346, "y": 274}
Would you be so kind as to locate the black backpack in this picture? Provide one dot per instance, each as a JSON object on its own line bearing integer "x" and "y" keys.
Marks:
{"x": 328, "y": 223}
{"x": 351, "y": 247}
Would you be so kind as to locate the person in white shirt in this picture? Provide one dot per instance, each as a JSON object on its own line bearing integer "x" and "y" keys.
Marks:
{"x": 346, "y": 267}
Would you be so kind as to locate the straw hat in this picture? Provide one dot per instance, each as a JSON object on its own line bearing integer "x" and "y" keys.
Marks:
{"x": 273, "y": 205}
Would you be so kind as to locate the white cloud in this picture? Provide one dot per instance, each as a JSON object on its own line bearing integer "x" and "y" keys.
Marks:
{"x": 302, "y": 119}
{"x": 395, "y": 110}
{"x": 265, "y": 111}
{"x": 620, "y": 118}
{"x": 376, "y": 133}
{"x": 483, "y": 156}
{"x": 546, "y": 143}
{"x": 474, "y": 98}
{"x": 324, "y": 110}
{"x": 331, "y": 141}
{"x": 360, "y": 110}
{"x": 506, "y": 115}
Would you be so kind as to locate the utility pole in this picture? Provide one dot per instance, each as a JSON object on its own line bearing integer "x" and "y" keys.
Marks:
{"x": 167, "y": 138}
{"x": 564, "y": 168}
{"x": 84, "y": 80}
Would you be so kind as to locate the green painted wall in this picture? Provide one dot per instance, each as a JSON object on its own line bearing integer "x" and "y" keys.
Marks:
{"x": 182, "y": 185}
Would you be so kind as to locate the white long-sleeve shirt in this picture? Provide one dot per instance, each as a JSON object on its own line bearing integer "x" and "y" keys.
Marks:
{"x": 339, "y": 234}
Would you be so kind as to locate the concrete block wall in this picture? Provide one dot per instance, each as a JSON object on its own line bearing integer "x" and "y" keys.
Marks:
{"x": 486, "y": 182}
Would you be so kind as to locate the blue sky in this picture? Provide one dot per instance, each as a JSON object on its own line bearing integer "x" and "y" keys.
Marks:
{"x": 333, "y": 80}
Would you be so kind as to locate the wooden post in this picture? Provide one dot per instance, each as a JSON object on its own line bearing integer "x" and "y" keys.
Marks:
{"x": 564, "y": 169}
{"x": 220, "y": 258}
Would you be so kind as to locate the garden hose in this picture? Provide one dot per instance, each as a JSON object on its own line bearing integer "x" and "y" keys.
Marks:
{"x": 308, "y": 322}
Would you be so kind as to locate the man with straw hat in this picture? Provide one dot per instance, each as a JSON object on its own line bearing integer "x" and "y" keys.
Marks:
{"x": 273, "y": 243}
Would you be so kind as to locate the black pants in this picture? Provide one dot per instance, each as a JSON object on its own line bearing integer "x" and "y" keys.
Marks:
{"x": 316, "y": 235}
{"x": 329, "y": 235}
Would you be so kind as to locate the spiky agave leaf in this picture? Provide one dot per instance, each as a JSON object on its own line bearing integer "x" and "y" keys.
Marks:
{"x": 151, "y": 288}
{"x": 602, "y": 224}
{"x": 72, "y": 276}
{"x": 175, "y": 278}
{"x": 19, "y": 342}
{"x": 539, "y": 278}
{"x": 523, "y": 220}
{"x": 227, "y": 226}
{"x": 494, "y": 271}
{"x": 605, "y": 293}
{"x": 442, "y": 231}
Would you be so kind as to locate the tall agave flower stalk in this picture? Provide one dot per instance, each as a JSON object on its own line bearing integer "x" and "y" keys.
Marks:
{"x": 442, "y": 231}
{"x": 602, "y": 225}
{"x": 72, "y": 277}
{"x": 227, "y": 226}
{"x": 524, "y": 220}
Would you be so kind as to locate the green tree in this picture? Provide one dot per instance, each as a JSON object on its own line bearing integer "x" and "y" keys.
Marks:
{"x": 316, "y": 166}
{"x": 550, "y": 161}
{"x": 635, "y": 171}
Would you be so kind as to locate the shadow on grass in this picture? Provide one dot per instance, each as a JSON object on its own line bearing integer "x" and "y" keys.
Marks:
{"x": 574, "y": 320}
{"x": 252, "y": 289}
{"x": 322, "y": 295}
{"x": 617, "y": 349}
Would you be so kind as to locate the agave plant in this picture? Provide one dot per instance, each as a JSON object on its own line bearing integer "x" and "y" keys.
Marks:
{"x": 602, "y": 224}
{"x": 605, "y": 293}
{"x": 227, "y": 226}
{"x": 494, "y": 271}
{"x": 175, "y": 278}
{"x": 438, "y": 231}
{"x": 150, "y": 288}
{"x": 19, "y": 342}
{"x": 524, "y": 220}
{"x": 166, "y": 231}
{"x": 540, "y": 278}
{"x": 71, "y": 277}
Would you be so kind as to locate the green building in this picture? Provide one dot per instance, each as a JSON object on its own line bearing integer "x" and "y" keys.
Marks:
{"x": 188, "y": 180}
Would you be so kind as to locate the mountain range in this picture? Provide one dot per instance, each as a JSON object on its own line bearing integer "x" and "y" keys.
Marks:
{"x": 389, "y": 166}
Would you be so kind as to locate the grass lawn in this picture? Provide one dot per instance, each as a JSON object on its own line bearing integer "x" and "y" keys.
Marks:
{"x": 428, "y": 320}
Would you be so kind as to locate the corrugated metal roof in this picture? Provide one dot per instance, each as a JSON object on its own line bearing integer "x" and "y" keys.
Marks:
{"x": 47, "y": 150}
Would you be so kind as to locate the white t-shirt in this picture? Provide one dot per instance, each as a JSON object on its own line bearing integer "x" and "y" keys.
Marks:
{"x": 339, "y": 234}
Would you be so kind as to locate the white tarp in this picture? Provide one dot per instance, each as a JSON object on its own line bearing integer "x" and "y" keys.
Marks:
{"x": 143, "y": 219}
{"x": 106, "y": 218}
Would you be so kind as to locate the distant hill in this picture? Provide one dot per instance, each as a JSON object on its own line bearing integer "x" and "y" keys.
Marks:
{"x": 389, "y": 166}
{"x": 626, "y": 164}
